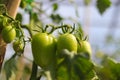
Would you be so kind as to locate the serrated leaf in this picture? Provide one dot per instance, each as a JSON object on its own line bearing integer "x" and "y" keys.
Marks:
{"x": 84, "y": 68}
{"x": 102, "y": 5}
{"x": 75, "y": 67}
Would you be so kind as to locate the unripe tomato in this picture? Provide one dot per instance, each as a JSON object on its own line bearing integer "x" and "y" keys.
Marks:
{"x": 67, "y": 41}
{"x": 18, "y": 46}
{"x": 8, "y": 34}
{"x": 43, "y": 49}
{"x": 1, "y": 21}
{"x": 84, "y": 47}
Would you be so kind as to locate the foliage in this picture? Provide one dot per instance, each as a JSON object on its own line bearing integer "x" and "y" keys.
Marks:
{"x": 102, "y": 5}
{"x": 75, "y": 67}
{"x": 10, "y": 67}
{"x": 109, "y": 70}
{"x": 67, "y": 65}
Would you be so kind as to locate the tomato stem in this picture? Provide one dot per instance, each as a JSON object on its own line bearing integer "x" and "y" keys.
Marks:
{"x": 50, "y": 72}
{"x": 47, "y": 26}
{"x": 34, "y": 72}
{"x": 5, "y": 14}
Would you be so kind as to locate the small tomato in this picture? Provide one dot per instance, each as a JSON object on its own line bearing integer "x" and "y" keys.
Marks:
{"x": 67, "y": 41}
{"x": 18, "y": 46}
{"x": 8, "y": 34}
{"x": 84, "y": 47}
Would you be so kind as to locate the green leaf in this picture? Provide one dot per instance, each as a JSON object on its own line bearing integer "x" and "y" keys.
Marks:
{"x": 83, "y": 67}
{"x": 56, "y": 18}
{"x": 29, "y": 1}
{"x": 10, "y": 67}
{"x": 110, "y": 70}
{"x": 114, "y": 67}
{"x": 79, "y": 32}
{"x": 62, "y": 73}
{"x": 55, "y": 6}
{"x": 35, "y": 17}
{"x": 102, "y": 5}
{"x": 75, "y": 67}
{"x": 19, "y": 17}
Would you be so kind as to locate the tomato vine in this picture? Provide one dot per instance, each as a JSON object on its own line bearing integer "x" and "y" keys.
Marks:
{"x": 65, "y": 57}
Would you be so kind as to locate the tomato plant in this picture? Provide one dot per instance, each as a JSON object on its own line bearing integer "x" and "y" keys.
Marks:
{"x": 46, "y": 49}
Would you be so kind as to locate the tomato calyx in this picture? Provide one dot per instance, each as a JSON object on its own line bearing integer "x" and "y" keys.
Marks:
{"x": 68, "y": 28}
{"x": 65, "y": 28}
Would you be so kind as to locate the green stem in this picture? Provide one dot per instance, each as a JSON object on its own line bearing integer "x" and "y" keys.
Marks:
{"x": 34, "y": 66}
{"x": 34, "y": 72}
{"x": 50, "y": 72}
{"x": 26, "y": 27}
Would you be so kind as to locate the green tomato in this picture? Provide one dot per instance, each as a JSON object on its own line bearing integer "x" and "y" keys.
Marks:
{"x": 8, "y": 34}
{"x": 67, "y": 41}
{"x": 1, "y": 20}
{"x": 84, "y": 47}
{"x": 43, "y": 49}
{"x": 18, "y": 46}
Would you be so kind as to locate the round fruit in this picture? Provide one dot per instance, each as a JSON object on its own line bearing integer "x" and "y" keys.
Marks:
{"x": 18, "y": 46}
{"x": 43, "y": 49}
{"x": 3, "y": 21}
{"x": 84, "y": 47}
{"x": 67, "y": 41}
{"x": 8, "y": 34}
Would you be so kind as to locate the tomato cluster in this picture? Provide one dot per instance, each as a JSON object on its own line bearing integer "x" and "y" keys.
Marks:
{"x": 46, "y": 48}
{"x": 11, "y": 31}
{"x": 7, "y": 30}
